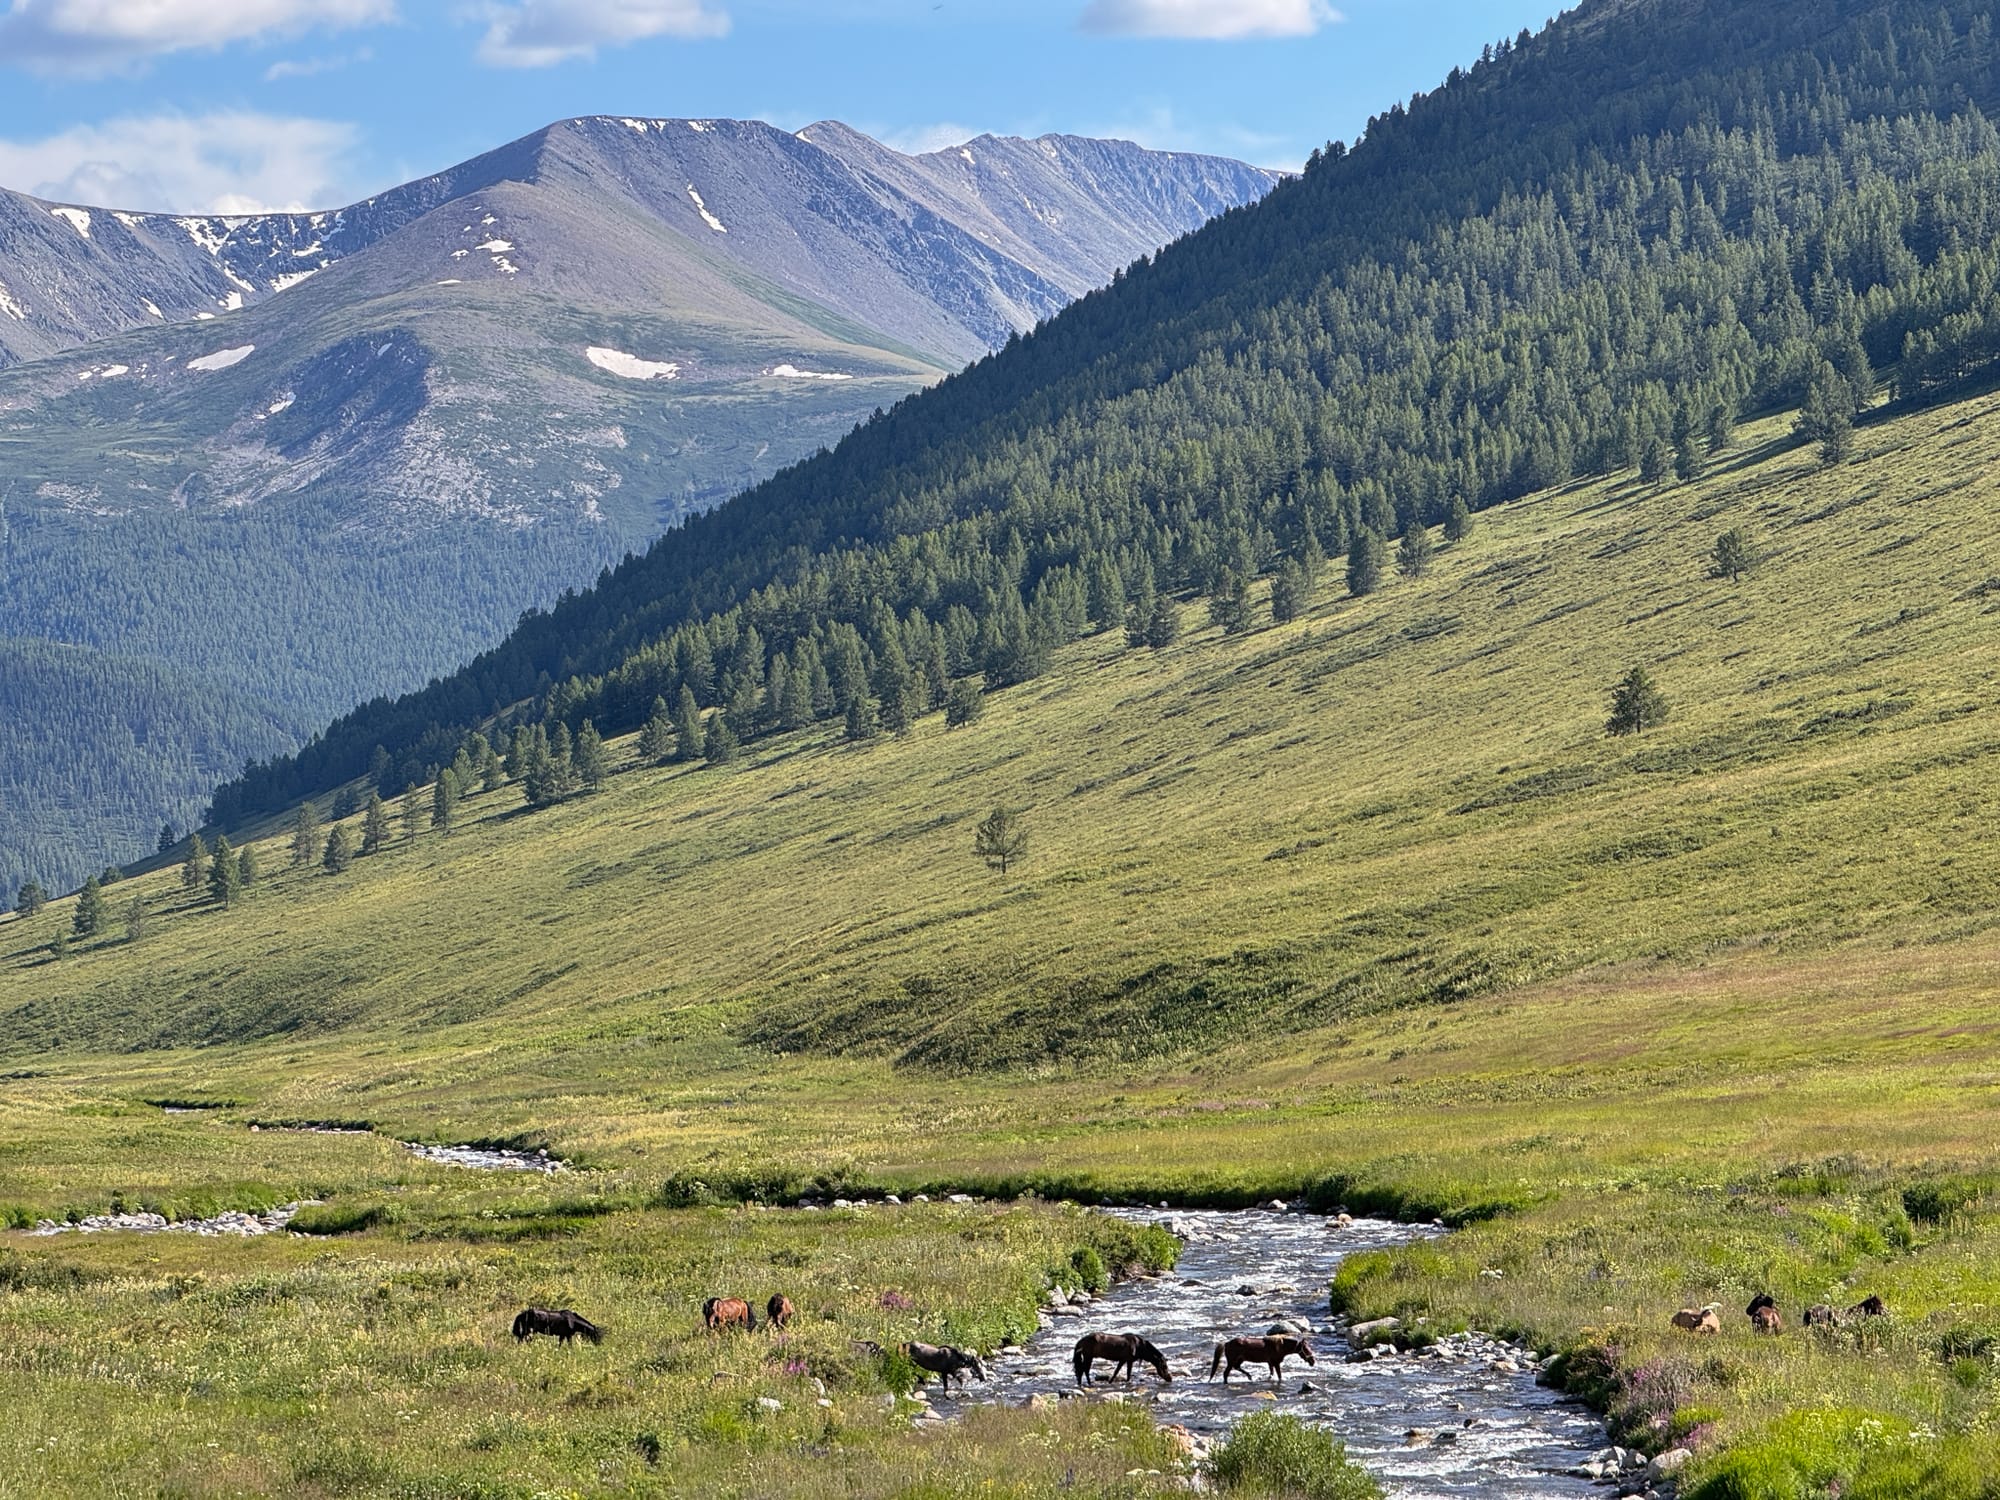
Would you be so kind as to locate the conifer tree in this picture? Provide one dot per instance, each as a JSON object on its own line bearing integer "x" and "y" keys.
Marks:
{"x": 413, "y": 813}
{"x": 1458, "y": 520}
{"x": 656, "y": 739}
{"x": 492, "y": 776}
{"x": 31, "y": 898}
{"x": 59, "y": 944}
{"x": 339, "y": 853}
{"x": 1289, "y": 592}
{"x": 517, "y": 751}
{"x": 444, "y": 800}
{"x": 89, "y": 917}
{"x": 1413, "y": 556}
{"x": 1689, "y": 461}
{"x": 247, "y": 870}
{"x": 1145, "y": 608}
{"x": 690, "y": 743}
{"x": 1001, "y": 839}
{"x": 306, "y": 837}
{"x": 964, "y": 704}
{"x": 374, "y": 825}
{"x": 1164, "y": 628}
{"x": 1733, "y": 554}
{"x": 1637, "y": 704}
{"x": 1364, "y": 562}
{"x": 1657, "y": 460}
{"x": 167, "y": 838}
{"x": 592, "y": 764}
{"x": 863, "y": 723}
{"x": 194, "y": 865}
{"x": 225, "y": 875}
{"x": 135, "y": 920}
{"x": 1230, "y": 606}
{"x": 719, "y": 744}
{"x": 1721, "y": 428}
{"x": 559, "y": 780}
{"x": 1827, "y": 418}
{"x": 1107, "y": 593}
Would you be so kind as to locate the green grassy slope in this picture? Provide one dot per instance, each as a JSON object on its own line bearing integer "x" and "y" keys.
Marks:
{"x": 1368, "y": 904}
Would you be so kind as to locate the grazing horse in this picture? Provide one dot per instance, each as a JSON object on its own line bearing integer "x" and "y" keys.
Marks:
{"x": 779, "y": 1311}
{"x": 1820, "y": 1315}
{"x": 1869, "y": 1307}
{"x": 719, "y": 1313}
{"x": 944, "y": 1362}
{"x": 1259, "y": 1351}
{"x": 1767, "y": 1320}
{"x": 1699, "y": 1319}
{"x": 1123, "y": 1350}
{"x": 564, "y": 1325}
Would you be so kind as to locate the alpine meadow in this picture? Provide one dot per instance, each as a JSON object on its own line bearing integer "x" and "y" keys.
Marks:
{"x": 1447, "y": 717}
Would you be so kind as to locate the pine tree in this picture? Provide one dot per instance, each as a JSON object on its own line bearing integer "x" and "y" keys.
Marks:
{"x": 413, "y": 813}
{"x": 517, "y": 751}
{"x": 1458, "y": 520}
{"x": 492, "y": 776}
{"x": 559, "y": 781}
{"x": 89, "y": 918}
{"x": 1657, "y": 460}
{"x": 719, "y": 745}
{"x": 592, "y": 764}
{"x": 1364, "y": 562}
{"x": 863, "y": 723}
{"x": 1637, "y": 704}
{"x": 306, "y": 838}
{"x": 1107, "y": 593}
{"x": 194, "y": 866}
{"x": 30, "y": 899}
{"x": 346, "y": 803}
{"x": 964, "y": 705}
{"x": 1001, "y": 839}
{"x": 1413, "y": 556}
{"x": 1734, "y": 555}
{"x": 225, "y": 875}
{"x": 656, "y": 740}
{"x": 444, "y": 801}
{"x": 1164, "y": 628}
{"x": 135, "y": 920}
{"x": 247, "y": 871}
{"x": 1721, "y": 428}
{"x": 374, "y": 825}
{"x": 59, "y": 944}
{"x": 1689, "y": 461}
{"x": 167, "y": 838}
{"x": 1290, "y": 592}
{"x": 339, "y": 854}
{"x": 1827, "y": 417}
{"x": 1230, "y": 606}
{"x": 690, "y": 741}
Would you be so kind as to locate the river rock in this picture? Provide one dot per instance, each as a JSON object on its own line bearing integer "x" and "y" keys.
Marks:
{"x": 958, "y": 1198}
{"x": 1297, "y": 1328}
{"x": 1363, "y": 1332}
{"x": 1669, "y": 1463}
{"x": 770, "y": 1403}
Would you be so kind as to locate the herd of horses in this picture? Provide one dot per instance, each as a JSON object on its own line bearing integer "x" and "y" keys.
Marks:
{"x": 1122, "y": 1351}
{"x": 1765, "y": 1318}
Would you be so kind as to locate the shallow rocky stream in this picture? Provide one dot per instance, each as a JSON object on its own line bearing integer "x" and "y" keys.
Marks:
{"x": 1429, "y": 1425}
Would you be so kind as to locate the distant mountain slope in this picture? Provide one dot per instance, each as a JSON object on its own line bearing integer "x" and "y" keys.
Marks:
{"x": 376, "y": 435}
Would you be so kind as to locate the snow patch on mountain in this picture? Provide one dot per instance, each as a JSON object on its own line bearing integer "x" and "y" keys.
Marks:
{"x": 292, "y": 278}
{"x": 708, "y": 218}
{"x": 222, "y": 359}
{"x": 9, "y": 306}
{"x": 617, "y": 362}
{"x": 76, "y": 218}
{"x": 793, "y": 372}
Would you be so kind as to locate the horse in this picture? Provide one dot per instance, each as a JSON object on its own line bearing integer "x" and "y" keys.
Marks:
{"x": 1821, "y": 1315}
{"x": 1259, "y": 1351}
{"x": 1762, "y": 1299}
{"x": 1123, "y": 1350}
{"x": 719, "y": 1313}
{"x": 563, "y": 1324}
{"x": 1767, "y": 1320}
{"x": 1699, "y": 1319}
{"x": 944, "y": 1362}
{"x": 1869, "y": 1307}
{"x": 779, "y": 1312}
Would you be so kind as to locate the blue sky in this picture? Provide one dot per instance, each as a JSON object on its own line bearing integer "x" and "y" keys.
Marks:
{"x": 237, "y": 104}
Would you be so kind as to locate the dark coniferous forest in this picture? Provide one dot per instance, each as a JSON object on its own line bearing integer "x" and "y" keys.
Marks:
{"x": 1593, "y": 249}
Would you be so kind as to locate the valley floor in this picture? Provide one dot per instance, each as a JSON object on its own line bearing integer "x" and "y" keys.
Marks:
{"x": 1365, "y": 907}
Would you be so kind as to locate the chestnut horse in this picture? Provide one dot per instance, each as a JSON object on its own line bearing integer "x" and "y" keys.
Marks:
{"x": 1123, "y": 1350}
{"x": 1259, "y": 1351}
{"x": 727, "y": 1312}
{"x": 779, "y": 1310}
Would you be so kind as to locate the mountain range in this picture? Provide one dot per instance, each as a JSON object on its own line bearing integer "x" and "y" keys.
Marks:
{"x": 293, "y": 461}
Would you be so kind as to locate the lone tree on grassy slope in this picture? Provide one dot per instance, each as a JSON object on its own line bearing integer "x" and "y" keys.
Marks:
{"x": 89, "y": 918}
{"x": 305, "y": 835}
{"x": 1413, "y": 557}
{"x": 1637, "y": 704}
{"x": 225, "y": 874}
{"x": 1734, "y": 555}
{"x": 1002, "y": 839}
{"x": 339, "y": 854}
{"x": 194, "y": 868}
{"x": 31, "y": 899}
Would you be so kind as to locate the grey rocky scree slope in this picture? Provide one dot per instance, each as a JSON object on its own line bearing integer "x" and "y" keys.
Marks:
{"x": 298, "y": 460}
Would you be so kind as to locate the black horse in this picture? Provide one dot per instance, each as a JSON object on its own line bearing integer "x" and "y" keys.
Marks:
{"x": 563, "y": 1324}
{"x": 945, "y": 1362}
{"x": 1123, "y": 1350}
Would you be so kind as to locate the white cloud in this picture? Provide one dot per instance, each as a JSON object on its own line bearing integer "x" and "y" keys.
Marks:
{"x": 311, "y": 67}
{"x": 542, "y": 33}
{"x": 99, "y": 36}
{"x": 921, "y": 140}
{"x": 1208, "y": 20}
{"x": 227, "y": 163}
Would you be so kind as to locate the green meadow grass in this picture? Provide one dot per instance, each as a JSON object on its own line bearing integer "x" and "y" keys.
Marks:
{"x": 1367, "y": 906}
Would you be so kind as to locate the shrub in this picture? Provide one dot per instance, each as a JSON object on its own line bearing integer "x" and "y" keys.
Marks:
{"x": 343, "y": 1218}
{"x": 1282, "y": 1457}
{"x": 1086, "y": 1267}
{"x": 1942, "y": 1198}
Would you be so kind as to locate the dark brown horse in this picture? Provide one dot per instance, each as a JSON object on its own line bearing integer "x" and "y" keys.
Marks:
{"x": 719, "y": 1313}
{"x": 1123, "y": 1350}
{"x": 944, "y": 1362}
{"x": 1870, "y": 1306}
{"x": 1259, "y": 1351}
{"x": 563, "y": 1324}
{"x": 779, "y": 1311}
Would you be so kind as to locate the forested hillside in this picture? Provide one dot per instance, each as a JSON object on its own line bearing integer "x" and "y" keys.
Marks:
{"x": 1595, "y": 248}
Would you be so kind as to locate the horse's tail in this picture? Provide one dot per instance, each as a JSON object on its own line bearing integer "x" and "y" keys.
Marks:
{"x": 522, "y": 1326}
{"x": 749, "y": 1318}
{"x": 1079, "y": 1364}
{"x": 1215, "y": 1363}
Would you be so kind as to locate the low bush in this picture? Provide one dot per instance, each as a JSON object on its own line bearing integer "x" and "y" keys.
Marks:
{"x": 1282, "y": 1458}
